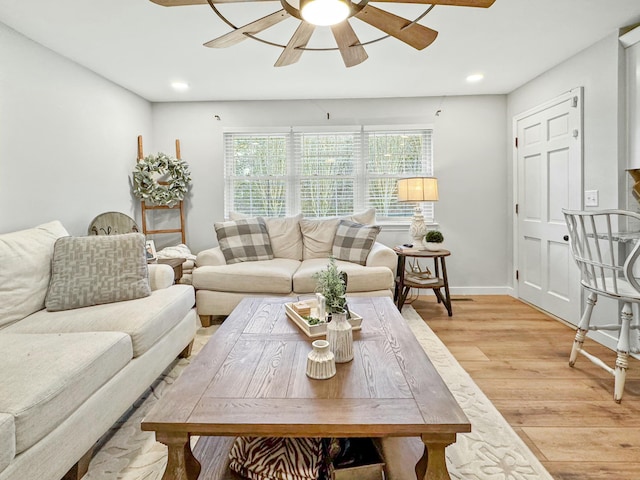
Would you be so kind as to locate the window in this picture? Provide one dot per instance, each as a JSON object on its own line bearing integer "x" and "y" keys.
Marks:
{"x": 326, "y": 164}
{"x": 393, "y": 155}
{"x": 323, "y": 174}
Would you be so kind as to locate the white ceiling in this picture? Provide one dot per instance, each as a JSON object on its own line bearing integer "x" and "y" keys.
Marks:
{"x": 144, "y": 47}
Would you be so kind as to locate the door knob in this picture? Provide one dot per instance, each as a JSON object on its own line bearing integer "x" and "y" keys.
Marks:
{"x": 566, "y": 238}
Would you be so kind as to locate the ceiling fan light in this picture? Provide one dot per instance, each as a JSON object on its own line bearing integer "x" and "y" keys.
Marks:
{"x": 324, "y": 12}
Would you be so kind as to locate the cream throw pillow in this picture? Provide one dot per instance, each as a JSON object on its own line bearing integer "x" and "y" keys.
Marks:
{"x": 318, "y": 234}
{"x": 284, "y": 233}
{"x": 367, "y": 217}
{"x": 25, "y": 270}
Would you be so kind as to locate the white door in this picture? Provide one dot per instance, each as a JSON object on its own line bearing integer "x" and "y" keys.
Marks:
{"x": 549, "y": 172}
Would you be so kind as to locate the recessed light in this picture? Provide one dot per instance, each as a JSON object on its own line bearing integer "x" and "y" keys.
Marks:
{"x": 180, "y": 86}
{"x": 476, "y": 77}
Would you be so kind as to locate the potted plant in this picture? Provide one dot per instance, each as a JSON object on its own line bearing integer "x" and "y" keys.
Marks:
{"x": 433, "y": 240}
{"x": 332, "y": 284}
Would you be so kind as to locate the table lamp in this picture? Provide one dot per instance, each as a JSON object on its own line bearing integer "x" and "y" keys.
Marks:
{"x": 417, "y": 190}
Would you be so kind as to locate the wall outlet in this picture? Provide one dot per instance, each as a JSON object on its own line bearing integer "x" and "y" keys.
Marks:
{"x": 591, "y": 198}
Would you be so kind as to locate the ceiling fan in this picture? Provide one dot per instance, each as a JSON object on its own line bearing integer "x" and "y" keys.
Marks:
{"x": 352, "y": 51}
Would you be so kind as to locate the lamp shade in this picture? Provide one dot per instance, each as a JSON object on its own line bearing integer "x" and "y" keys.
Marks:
{"x": 418, "y": 189}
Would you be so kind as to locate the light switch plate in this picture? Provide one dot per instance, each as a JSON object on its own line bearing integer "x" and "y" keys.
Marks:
{"x": 591, "y": 198}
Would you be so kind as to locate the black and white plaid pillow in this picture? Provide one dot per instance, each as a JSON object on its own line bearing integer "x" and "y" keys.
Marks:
{"x": 244, "y": 240}
{"x": 353, "y": 241}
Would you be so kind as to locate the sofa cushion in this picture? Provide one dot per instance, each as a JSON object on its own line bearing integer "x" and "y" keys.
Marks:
{"x": 366, "y": 217}
{"x": 244, "y": 240}
{"x": 46, "y": 377}
{"x": 284, "y": 234}
{"x": 318, "y": 234}
{"x": 25, "y": 259}
{"x": 360, "y": 278}
{"x": 353, "y": 241}
{"x": 7, "y": 440}
{"x": 266, "y": 276}
{"x": 145, "y": 320}
{"x": 97, "y": 269}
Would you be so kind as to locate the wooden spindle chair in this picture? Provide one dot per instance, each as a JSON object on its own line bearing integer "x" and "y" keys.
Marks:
{"x": 606, "y": 260}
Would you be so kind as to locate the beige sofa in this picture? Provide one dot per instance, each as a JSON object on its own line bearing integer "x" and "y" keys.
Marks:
{"x": 301, "y": 247}
{"x": 68, "y": 375}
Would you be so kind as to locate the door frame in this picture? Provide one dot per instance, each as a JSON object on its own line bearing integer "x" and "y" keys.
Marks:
{"x": 574, "y": 92}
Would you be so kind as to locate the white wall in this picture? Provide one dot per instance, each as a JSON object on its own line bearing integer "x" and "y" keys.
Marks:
{"x": 68, "y": 145}
{"x": 600, "y": 70}
{"x": 469, "y": 153}
{"x": 67, "y": 139}
{"x": 597, "y": 69}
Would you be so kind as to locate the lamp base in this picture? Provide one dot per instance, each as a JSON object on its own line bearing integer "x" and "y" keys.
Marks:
{"x": 418, "y": 229}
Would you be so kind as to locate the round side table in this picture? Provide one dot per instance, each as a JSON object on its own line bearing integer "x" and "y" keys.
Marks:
{"x": 405, "y": 281}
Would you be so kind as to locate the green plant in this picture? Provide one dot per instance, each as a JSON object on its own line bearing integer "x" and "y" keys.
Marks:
{"x": 331, "y": 283}
{"x": 434, "y": 236}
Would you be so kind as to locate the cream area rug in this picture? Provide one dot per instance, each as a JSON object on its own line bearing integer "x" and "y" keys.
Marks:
{"x": 492, "y": 451}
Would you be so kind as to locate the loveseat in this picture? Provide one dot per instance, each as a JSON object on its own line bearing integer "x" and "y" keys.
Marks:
{"x": 67, "y": 371}
{"x": 299, "y": 247}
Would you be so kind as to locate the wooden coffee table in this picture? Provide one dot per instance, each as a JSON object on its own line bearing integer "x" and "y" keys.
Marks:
{"x": 249, "y": 380}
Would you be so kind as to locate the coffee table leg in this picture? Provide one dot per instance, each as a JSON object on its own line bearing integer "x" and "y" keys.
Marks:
{"x": 181, "y": 464}
{"x": 433, "y": 465}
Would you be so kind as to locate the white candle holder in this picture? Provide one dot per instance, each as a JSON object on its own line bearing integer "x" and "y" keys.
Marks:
{"x": 321, "y": 361}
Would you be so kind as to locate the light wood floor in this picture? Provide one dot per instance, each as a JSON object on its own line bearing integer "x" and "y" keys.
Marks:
{"x": 519, "y": 357}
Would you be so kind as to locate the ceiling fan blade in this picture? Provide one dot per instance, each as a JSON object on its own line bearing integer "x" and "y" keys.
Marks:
{"x": 236, "y": 36}
{"x": 456, "y": 3}
{"x": 292, "y": 52}
{"x": 352, "y": 52}
{"x": 182, "y": 3}
{"x": 416, "y": 35}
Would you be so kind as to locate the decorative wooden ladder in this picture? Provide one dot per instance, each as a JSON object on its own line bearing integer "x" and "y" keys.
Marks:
{"x": 145, "y": 207}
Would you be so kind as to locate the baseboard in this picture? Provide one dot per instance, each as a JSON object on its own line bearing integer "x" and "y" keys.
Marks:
{"x": 481, "y": 290}
{"x": 453, "y": 291}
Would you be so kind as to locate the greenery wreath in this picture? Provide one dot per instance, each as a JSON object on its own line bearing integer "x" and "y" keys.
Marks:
{"x": 147, "y": 187}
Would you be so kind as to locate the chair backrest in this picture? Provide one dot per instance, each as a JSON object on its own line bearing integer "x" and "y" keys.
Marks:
{"x": 601, "y": 243}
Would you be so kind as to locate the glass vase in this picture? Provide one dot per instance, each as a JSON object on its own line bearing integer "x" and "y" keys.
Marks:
{"x": 340, "y": 337}
{"x": 321, "y": 361}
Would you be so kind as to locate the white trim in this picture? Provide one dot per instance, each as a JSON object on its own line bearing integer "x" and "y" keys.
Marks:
{"x": 257, "y": 130}
{"x": 401, "y": 225}
{"x": 392, "y": 128}
{"x": 297, "y": 128}
{"x": 327, "y": 129}
{"x": 506, "y": 290}
{"x": 496, "y": 290}
{"x": 630, "y": 38}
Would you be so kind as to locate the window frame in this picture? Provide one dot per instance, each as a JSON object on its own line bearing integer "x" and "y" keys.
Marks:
{"x": 361, "y": 176}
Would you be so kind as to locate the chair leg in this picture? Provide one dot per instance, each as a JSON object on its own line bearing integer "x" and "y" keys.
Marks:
{"x": 583, "y": 328}
{"x": 622, "y": 360}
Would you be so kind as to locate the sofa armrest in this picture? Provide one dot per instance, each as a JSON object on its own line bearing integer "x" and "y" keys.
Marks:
{"x": 382, "y": 256}
{"x": 160, "y": 276}
{"x": 210, "y": 257}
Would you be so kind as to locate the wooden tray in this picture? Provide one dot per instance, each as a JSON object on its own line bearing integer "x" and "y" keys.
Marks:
{"x": 319, "y": 330}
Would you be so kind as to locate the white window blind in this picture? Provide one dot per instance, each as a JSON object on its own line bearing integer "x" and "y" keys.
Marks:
{"x": 323, "y": 174}
{"x": 326, "y": 170}
{"x": 256, "y": 173}
{"x": 393, "y": 155}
